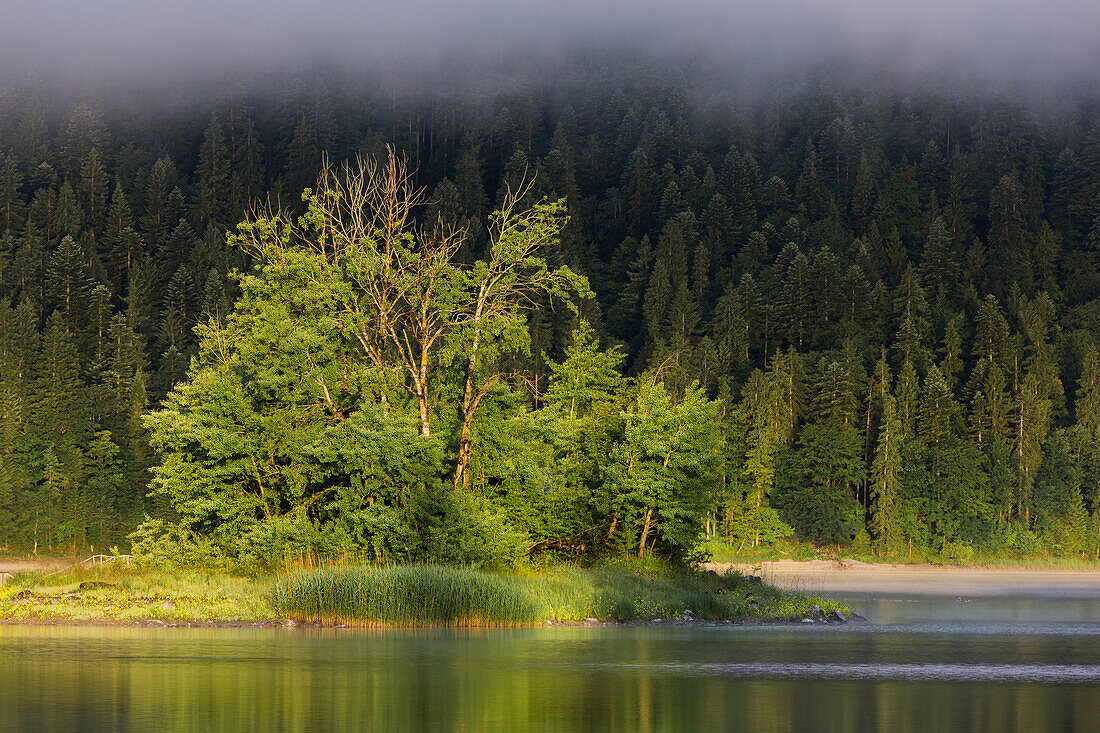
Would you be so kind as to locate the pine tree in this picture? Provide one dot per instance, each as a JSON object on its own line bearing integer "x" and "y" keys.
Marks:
{"x": 106, "y": 502}
{"x": 863, "y": 194}
{"x": 1085, "y": 435}
{"x": 627, "y": 310}
{"x": 213, "y": 178}
{"x": 795, "y": 302}
{"x": 155, "y": 222}
{"x": 835, "y": 394}
{"x": 951, "y": 364}
{"x": 121, "y": 242}
{"x": 1010, "y": 236}
{"x": 8, "y": 248}
{"x": 816, "y": 491}
{"x": 469, "y": 181}
{"x": 718, "y": 236}
{"x": 1087, "y": 405}
{"x": 586, "y": 378}
{"x": 638, "y": 185}
{"x": 991, "y": 339}
{"x": 92, "y": 189}
{"x": 43, "y": 212}
{"x": 885, "y": 476}
{"x": 68, "y": 283}
{"x": 30, "y": 261}
{"x": 245, "y": 152}
{"x": 70, "y": 216}
{"x": 763, "y": 419}
{"x": 735, "y": 323}
{"x": 12, "y": 209}
{"x": 827, "y": 296}
{"x": 1066, "y": 202}
{"x": 939, "y": 272}
{"x": 1036, "y": 397}
{"x": 82, "y": 130}
{"x": 938, "y": 412}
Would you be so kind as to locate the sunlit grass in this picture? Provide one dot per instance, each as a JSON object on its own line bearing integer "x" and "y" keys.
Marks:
{"x": 418, "y": 595}
{"x": 132, "y": 594}
{"x": 406, "y": 595}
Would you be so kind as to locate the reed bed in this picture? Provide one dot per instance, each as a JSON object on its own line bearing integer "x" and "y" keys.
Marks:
{"x": 433, "y": 595}
{"x": 406, "y": 595}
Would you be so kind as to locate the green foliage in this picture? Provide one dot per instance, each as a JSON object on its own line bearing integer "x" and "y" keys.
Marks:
{"x": 293, "y": 434}
{"x": 748, "y": 525}
{"x": 817, "y": 481}
{"x": 156, "y": 543}
{"x": 885, "y": 479}
{"x": 957, "y": 552}
{"x": 391, "y": 377}
{"x": 663, "y": 472}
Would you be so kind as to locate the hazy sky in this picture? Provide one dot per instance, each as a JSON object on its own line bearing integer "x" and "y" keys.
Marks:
{"x": 102, "y": 39}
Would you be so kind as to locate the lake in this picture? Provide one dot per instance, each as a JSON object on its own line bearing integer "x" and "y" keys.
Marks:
{"x": 921, "y": 663}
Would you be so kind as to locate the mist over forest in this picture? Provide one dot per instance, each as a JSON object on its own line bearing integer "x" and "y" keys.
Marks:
{"x": 824, "y": 271}
{"x": 163, "y": 42}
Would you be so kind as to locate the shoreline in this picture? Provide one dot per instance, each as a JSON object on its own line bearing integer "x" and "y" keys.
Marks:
{"x": 117, "y": 623}
{"x": 156, "y": 608}
{"x": 854, "y": 576}
{"x": 442, "y": 596}
{"x": 290, "y": 624}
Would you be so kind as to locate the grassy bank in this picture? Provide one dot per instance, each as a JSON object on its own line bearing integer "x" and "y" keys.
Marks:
{"x": 411, "y": 595}
{"x": 418, "y": 595}
{"x": 131, "y": 595}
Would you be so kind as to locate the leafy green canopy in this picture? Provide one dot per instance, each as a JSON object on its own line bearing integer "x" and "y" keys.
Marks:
{"x": 360, "y": 398}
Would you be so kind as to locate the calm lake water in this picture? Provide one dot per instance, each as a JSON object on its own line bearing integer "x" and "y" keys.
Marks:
{"x": 923, "y": 663}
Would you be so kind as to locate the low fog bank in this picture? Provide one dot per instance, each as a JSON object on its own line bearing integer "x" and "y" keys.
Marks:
{"x": 169, "y": 43}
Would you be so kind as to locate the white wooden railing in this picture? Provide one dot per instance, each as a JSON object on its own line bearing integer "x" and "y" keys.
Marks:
{"x": 96, "y": 560}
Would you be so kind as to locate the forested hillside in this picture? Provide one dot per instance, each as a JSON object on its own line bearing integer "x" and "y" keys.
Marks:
{"x": 865, "y": 314}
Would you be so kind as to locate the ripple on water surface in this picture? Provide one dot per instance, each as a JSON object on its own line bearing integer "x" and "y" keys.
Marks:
{"x": 921, "y": 664}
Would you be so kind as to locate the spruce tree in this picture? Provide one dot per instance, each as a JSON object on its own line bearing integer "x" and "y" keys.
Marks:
{"x": 885, "y": 478}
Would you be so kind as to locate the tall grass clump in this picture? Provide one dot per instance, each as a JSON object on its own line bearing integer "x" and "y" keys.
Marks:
{"x": 408, "y": 595}
{"x": 437, "y": 595}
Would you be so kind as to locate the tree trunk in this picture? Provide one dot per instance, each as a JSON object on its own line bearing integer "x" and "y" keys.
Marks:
{"x": 462, "y": 465}
{"x": 645, "y": 533}
{"x": 469, "y": 403}
{"x": 422, "y": 403}
{"x": 422, "y": 393}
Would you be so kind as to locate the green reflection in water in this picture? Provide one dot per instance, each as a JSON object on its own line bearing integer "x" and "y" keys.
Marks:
{"x": 558, "y": 679}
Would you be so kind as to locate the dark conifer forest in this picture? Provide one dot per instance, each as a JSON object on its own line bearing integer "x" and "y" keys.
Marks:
{"x": 865, "y": 315}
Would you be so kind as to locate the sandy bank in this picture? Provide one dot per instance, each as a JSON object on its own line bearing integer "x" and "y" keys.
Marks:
{"x": 828, "y": 576}
{"x": 45, "y": 564}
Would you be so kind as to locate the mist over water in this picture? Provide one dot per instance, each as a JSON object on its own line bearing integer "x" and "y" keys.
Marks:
{"x": 921, "y": 663}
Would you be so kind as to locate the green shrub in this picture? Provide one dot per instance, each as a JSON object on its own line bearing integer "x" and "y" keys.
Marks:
{"x": 158, "y": 544}
{"x": 1023, "y": 540}
{"x": 959, "y": 553}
